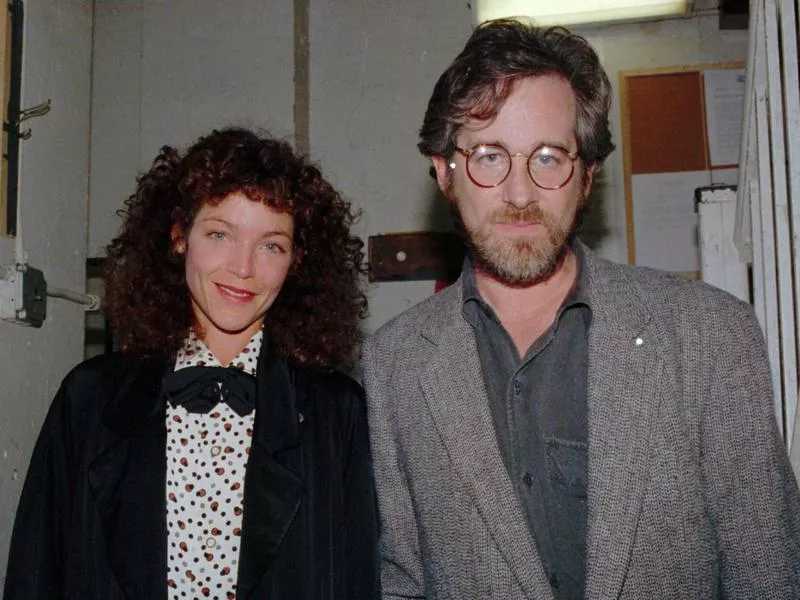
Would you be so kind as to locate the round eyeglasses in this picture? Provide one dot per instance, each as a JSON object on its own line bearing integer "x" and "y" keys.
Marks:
{"x": 488, "y": 165}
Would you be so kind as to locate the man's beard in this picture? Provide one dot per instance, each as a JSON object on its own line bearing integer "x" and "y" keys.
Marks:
{"x": 520, "y": 260}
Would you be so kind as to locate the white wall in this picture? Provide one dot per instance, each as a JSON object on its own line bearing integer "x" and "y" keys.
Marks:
{"x": 373, "y": 67}
{"x": 53, "y": 191}
{"x": 168, "y": 71}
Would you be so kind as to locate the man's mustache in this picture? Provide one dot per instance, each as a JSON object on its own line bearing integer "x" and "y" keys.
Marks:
{"x": 509, "y": 214}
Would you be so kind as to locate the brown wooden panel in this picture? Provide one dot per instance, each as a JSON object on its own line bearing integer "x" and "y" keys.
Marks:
{"x": 667, "y": 123}
{"x": 415, "y": 256}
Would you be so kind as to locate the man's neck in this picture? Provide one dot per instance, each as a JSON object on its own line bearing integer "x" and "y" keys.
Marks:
{"x": 527, "y": 312}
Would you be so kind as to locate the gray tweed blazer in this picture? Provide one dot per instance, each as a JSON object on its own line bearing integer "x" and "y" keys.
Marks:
{"x": 690, "y": 491}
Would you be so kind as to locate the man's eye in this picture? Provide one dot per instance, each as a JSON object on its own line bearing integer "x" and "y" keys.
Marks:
{"x": 491, "y": 159}
{"x": 548, "y": 160}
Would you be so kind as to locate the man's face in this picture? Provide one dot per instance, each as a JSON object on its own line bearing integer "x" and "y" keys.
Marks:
{"x": 519, "y": 231}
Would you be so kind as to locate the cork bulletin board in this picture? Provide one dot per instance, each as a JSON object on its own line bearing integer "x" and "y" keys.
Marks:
{"x": 679, "y": 129}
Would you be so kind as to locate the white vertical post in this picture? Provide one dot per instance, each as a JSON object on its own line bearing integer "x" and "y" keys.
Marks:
{"x": 719, "y": 260}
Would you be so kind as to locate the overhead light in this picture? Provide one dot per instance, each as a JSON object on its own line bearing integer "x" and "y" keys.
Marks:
{"x": 576, "y": 12}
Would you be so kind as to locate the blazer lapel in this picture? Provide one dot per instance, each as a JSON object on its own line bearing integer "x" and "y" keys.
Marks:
{"x": 273, "y": 484}
{"x": 625, "y": 375}
{"x": 128, "y": 481}
{"x": 456, "y": 396}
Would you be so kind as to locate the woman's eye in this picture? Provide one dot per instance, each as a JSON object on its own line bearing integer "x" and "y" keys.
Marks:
{"x": 216, "y": 235}
{"x": 273, "y": 247}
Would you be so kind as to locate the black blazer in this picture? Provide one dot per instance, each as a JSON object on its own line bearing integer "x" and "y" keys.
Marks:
{"x": 91, "y": 522}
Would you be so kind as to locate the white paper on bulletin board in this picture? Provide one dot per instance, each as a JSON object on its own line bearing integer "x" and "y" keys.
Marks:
{"x": 724, "y": 98}
{"x": 664, "y": 218}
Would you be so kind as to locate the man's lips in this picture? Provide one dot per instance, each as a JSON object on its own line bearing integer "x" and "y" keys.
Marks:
{"x": 517, "y": 224}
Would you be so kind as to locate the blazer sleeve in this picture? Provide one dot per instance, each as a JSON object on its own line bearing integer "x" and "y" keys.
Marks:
{"x": 42, "y": 523}
{"x": 401, "y": 563}
{"x": 751, "y": 491}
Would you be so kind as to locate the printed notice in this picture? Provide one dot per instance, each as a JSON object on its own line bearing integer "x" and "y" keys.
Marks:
{"x": 665, "y": 222}
{"x": 724, "y": 98}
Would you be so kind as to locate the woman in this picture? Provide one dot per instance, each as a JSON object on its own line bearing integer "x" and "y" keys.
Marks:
{"x": 219, "y": 454}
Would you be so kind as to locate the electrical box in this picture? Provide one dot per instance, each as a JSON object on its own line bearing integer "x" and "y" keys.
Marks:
{"x": 23, "y": 295}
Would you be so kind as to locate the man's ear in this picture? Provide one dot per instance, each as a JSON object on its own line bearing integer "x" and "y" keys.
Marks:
{"x": 588, "y": 179}
{"x": 444, "y": 172}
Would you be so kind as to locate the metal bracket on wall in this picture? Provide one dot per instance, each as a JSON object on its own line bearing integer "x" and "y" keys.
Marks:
{"x": 39, "y": 110}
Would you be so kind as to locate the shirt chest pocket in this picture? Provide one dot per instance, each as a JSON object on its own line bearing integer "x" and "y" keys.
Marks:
{"x": 567, "y": 465}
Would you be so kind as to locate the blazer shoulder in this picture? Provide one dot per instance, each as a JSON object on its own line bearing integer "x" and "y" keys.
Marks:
{"x": 429, "y": 315}
{"x": 94, "y": 382}
{"x": 657, "y": 286}
{"x": 103, "y": 370}
{"x": 679, "y": 303}
{"x": 330, "y": 389}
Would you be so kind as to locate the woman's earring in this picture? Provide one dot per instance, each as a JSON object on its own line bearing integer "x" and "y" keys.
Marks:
{"x": 178, "y": 249}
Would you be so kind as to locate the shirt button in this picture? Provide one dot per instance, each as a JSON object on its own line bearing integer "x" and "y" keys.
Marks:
{"x": 517, "y": 387}
{"x": 554, "y": 581}
{"x": 215, "y": 450}
{"x": 527, "y": 479}
{"x": 211, "y": 542}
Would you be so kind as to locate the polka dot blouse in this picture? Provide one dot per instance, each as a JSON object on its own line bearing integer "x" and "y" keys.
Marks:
{"x": 206, "y": 462}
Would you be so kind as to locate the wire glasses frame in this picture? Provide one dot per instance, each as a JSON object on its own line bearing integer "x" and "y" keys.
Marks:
{"x": 549, "y": 167}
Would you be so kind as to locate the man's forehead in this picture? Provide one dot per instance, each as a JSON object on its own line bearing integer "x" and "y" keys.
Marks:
{"x": 539, "y": 110}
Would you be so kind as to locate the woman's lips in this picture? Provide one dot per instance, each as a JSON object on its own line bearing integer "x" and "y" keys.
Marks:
{"x": 234, "y": 293}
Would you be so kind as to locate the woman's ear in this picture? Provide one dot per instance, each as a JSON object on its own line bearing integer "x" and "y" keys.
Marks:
{"x": 178, "y": 240}
{"x": 298, "y": 257}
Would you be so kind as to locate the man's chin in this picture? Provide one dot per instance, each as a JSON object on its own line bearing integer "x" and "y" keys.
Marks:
{"x": 519, "y": 265}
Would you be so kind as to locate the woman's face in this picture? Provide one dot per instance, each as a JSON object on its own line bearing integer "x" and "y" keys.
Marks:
{"x": 238, "y": 254}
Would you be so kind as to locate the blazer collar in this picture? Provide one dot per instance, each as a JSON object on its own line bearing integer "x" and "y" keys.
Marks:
{"x": 624, "y": 378}
{"x": 456, "y": 396}
{"x": 273, "y": 484}
{"x": 128, "y": 477}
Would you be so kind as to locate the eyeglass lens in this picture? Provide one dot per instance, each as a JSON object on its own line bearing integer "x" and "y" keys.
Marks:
{"x": 549, "y": 167}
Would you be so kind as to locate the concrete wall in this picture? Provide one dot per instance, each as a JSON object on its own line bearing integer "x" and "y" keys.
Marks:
{"x": 53, "y": 191}
{"x": 369, "y": 89}
{"x": 168, "y": 71}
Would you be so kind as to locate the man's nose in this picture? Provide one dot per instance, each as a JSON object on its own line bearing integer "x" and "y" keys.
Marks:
{"x": 518, "y": 188}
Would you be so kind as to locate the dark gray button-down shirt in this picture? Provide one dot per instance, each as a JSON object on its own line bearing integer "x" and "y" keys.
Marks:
{"x": 538, "y": 404}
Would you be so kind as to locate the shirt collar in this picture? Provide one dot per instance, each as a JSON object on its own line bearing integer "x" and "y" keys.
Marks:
{"x": 195, "y": 353}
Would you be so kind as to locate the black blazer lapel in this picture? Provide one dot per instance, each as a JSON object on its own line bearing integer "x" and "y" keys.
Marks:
{"x": 273, "y": 484}
{"x": 128, "y": 480}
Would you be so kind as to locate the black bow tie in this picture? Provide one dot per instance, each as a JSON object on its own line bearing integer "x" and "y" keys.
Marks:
{"x": 199, "y": 389}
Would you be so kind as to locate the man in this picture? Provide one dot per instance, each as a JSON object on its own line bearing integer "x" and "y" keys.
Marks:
{"x": 555, "y": 425}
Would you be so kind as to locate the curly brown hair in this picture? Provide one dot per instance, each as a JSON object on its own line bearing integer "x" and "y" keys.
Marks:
{"x": 496, "y": 56}
{"x": 314, "y": 319}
